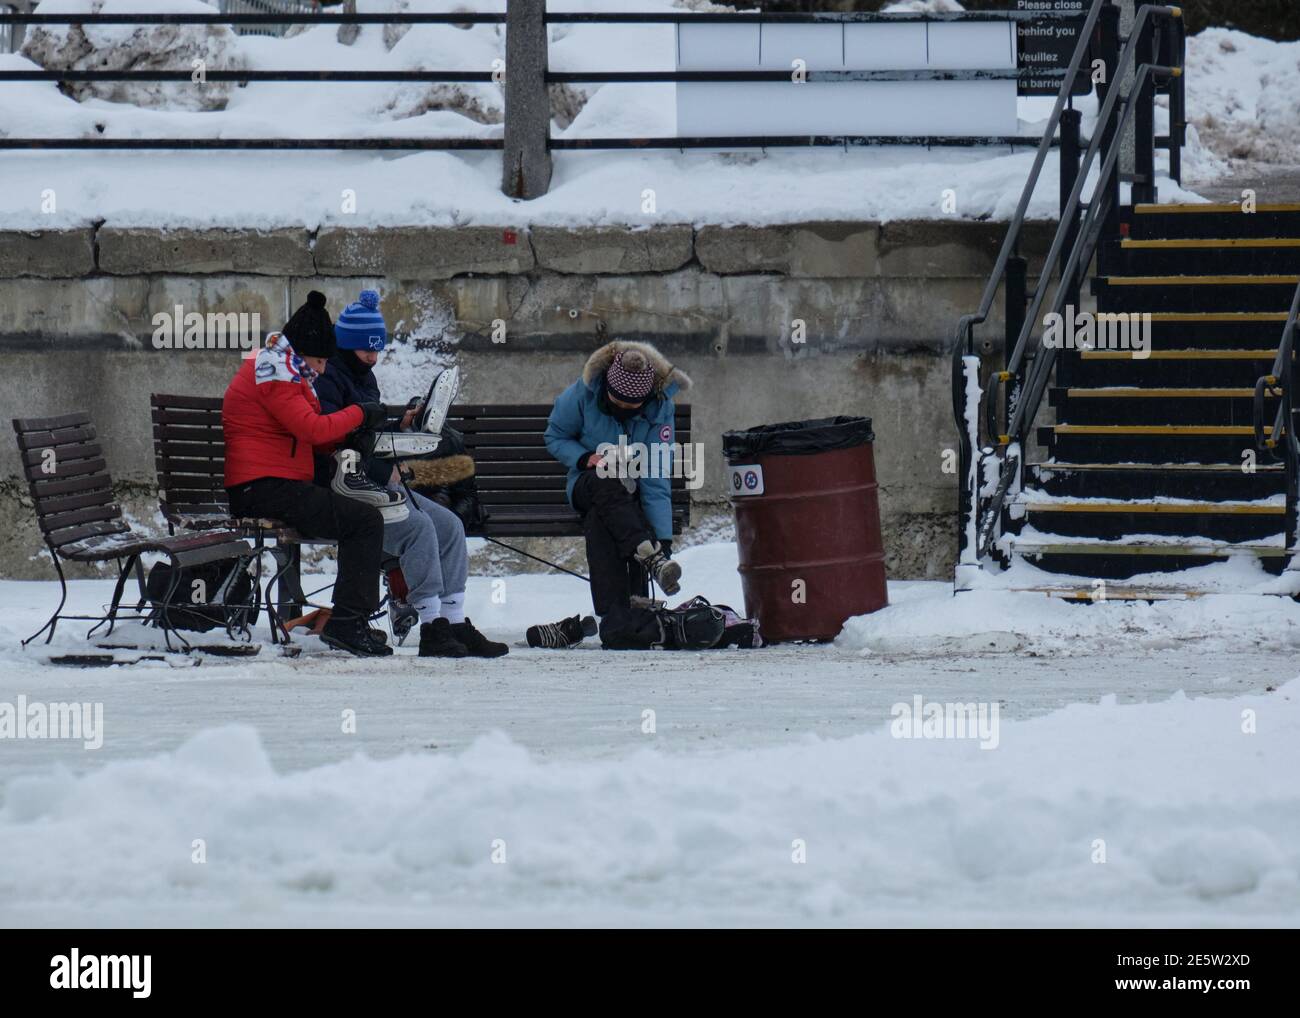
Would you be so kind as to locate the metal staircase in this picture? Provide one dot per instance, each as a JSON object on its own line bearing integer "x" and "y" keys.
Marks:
{"x": 1127, "y": 469}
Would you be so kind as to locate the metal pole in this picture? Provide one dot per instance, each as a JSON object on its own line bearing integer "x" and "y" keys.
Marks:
{"x": 526, "y": 160}
{"x": 1070, "y": 152}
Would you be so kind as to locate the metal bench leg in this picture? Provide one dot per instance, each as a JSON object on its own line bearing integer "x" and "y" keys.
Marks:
{"x": 63, "y": 598}
{"x": 273, "y": 621}
{"x": 287, "y": 581}
{"x": 139, "y": 582}
{"x": 124, "y": 569}
{"x": 163, "y": 618}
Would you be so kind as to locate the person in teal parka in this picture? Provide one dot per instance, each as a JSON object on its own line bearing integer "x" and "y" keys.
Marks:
{"x": 613, "y": 429}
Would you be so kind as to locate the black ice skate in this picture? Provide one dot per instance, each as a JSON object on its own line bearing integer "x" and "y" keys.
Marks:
{"x": 663, "y": 570}
{"x": 563, "y": 634}
{"x": 352, "y": 482}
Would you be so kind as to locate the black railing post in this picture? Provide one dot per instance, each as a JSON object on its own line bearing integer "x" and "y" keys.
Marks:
{"x": 1108, "y": 50}
{"x": 1144, "y": 119}
{"x": 1178, "y": 101}
{"x": 526, "y": 159}
{"x": 1070, "y": 152}
{"x": 1016, "y": 299}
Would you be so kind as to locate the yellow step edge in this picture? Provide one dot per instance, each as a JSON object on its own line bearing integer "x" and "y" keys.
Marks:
{"x": 1112, "y": 594}
{"x": 1206, "y": 317}
{"x": 1206, "y": 430}
{"x": 1157, "y": 508}
{"x": 1162, "y": 550}
{"x": 1202, "y": 280}
{"x": 1134, "y": 393}
{"x": 1181, "y": 355}
{"x": 1148, "y": 209}
{"x": 1233, "y": 468}
{"x": 1189, "y": 242}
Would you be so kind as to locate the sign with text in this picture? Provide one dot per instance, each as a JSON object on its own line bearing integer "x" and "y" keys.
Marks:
{"x": 1044, "y": 48}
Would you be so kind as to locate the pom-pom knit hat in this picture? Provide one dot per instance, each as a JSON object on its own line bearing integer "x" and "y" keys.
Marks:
{"x": 630, "y": 377}
{"x": 310, "y": 330}
{"x": 361, "y": 326}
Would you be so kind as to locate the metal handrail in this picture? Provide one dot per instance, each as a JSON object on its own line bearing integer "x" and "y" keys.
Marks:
{"x": 1084, "y": 249}
{"x": 963, "y": 340}
{"x": 1280, "y": 383}
{"x": 1085, "y": 244}
{"x": 966, "y": 325}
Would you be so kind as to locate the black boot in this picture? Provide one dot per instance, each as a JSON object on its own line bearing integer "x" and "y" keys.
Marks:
{"x": 438, "y": 640}
{"x": 565, "y": 633}
{"x": 475, "y": 642}
{"x": 354, "y": 636}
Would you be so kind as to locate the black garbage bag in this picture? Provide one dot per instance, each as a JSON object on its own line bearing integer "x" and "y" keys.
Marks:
{"x": 797, "y": 438}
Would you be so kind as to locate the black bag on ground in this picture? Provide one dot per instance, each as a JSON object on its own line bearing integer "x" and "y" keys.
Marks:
{"x": 694, "y": 625}
{"x": 209, "y": 596}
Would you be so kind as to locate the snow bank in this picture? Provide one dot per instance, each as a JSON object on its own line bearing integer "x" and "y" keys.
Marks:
{"x": 137, "y": 48}
{"x": 928, "y": 619}
{"x": 1243, "y": 96}
{"x": 160, "y": 189}
{"x": 1145, "y": 814}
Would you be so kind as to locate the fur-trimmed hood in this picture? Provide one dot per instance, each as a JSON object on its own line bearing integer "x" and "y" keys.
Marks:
{"x": 668, "y": 379}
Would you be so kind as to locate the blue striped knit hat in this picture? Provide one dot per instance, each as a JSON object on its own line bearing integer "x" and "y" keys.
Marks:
{"x": 360, "y": 326}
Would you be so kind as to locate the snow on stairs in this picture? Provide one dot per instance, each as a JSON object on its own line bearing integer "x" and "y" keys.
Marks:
{"x": 1144, "y": 467}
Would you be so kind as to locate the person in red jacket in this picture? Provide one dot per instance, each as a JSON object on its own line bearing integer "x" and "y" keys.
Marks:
{"x": 273, "y": 427}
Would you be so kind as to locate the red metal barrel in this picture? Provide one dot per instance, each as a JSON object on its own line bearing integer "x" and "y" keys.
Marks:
{"x": 807, "y": 525}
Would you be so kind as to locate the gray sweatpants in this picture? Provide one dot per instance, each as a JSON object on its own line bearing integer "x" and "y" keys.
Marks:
{"x": 430, "y": 543}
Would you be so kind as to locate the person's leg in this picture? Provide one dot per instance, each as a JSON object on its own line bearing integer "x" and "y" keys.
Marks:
{"x": 606, "y": 516}
{"x": 453, "y": 557}
{"x": 414, "y": 542}
{"x": 619, "y": 510}
{"x": 314, "y": 511}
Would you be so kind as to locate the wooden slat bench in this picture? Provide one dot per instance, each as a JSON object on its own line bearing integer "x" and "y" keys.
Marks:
{"x": 81, "y": 521}
{"x": 520, "y": 485}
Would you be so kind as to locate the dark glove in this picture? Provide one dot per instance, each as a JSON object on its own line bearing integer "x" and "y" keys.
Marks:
{"x": 666, "y": 546}
{"x": 376, "y": 415}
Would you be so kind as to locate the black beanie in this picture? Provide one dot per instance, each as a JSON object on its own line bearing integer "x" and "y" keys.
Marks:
{"x": 310, "y": 330}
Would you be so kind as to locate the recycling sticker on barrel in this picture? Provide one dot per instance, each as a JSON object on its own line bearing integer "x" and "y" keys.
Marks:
{"x": 746, "y": 480}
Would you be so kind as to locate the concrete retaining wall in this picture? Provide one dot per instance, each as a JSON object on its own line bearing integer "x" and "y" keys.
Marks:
{"x": 774, "y": 323}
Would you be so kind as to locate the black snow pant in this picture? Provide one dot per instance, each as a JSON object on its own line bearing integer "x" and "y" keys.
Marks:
{"x": 613, "y": 523}
{"x": 314, "y": 511}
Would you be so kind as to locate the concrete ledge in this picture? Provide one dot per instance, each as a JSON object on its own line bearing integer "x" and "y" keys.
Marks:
{"x": 53, "y": 254}
{"x": 816, "y": 250}
{"x": 610, "y": 251}
{"x": 127, "y": 252}
{"x": 412, "y": 252}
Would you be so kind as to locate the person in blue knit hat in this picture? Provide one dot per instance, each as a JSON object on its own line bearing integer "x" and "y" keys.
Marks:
{"x": 430, "y": 542}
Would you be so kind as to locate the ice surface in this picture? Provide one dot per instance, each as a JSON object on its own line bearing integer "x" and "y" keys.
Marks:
{"x": 543, "y": 759}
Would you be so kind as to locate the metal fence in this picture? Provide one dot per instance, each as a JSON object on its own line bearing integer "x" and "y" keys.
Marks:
{"x": 527, "y": 141}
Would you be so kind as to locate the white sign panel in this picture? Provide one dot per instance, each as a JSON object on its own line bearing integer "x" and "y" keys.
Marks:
{"x": 903, "y": 108}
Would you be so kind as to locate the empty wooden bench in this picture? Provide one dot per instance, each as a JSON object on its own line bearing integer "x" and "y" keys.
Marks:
{"x": 81, "y": 521}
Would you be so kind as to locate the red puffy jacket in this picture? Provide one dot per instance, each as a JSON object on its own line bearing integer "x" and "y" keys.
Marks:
{"x": 273, "y": 426}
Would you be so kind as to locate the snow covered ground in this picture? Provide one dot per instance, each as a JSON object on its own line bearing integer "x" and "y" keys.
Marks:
{"x": 1162, "y": 739}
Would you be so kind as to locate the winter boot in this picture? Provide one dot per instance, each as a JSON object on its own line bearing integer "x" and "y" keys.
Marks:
{"x": 354, "y": 636}
{"x": 353, "y": 482}
{"x": 663, "y": 570}
{"x": 563, "y": 634}
{"x": 438, "y": 640}
{"x": 475, "y": 642}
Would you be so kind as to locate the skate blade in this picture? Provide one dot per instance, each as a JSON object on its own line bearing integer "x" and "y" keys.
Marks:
{"x": 444, "y": 390}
